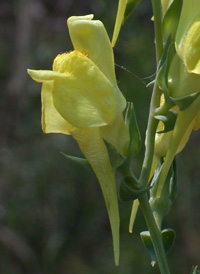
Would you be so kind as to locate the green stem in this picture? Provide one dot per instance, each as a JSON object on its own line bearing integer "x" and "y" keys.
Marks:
{"x": 155, "y": 101}
{"x": 150, "y": 137}
{"x": 149, "y": 152}
{"x": 157, "y": 11}
{"x": 155, "y": 234}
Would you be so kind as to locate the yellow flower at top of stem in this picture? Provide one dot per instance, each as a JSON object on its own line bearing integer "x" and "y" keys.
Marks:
{"x": 80, "y": 97}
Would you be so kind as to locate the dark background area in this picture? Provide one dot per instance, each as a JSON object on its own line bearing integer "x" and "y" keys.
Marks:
{"x": 52, "y": 214}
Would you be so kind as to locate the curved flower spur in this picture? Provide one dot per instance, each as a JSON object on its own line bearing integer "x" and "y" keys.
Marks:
{"x": 80, "y": 97}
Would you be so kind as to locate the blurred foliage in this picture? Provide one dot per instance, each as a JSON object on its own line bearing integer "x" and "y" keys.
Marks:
{"x": 52, "y": 214}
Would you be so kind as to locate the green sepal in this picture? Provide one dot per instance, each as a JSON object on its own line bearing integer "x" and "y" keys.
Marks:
{"x": 164, "y": 65}
{"x": 171, "y": 20}
{"x": 195, "y": 270}
{"x": 170, "y": 187}
{"x": 131, "y": 123}
{"x": 146, "y": 239}
{"x": 161, "y": 205}
{"x": 163, "y": 58}
{"x": 154, "y": 181}
{"x": 168, "y": 237}
{"x": 130, "y": 190}
{"x": 169, "y": 120}
{"x": 184, "y": 102}
{"x": 76, "y": 160}
{"x": 130, "y": 7}
{"x": 116, "y": 159}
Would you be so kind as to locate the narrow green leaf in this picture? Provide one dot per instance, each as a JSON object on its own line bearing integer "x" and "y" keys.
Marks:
{"x": 164, "y": 65}
{"x": 130, "y": 189}
{"x": 165, "y": 53}
{"x": 131, "y": 123}
{"x": 116, "y": 159}
{"x": 80, "y": 161}
{"x": 184, "y": 102}
{"x": 169, "y": 120}
{"x": 168, "y": 238}
{"x": 161, "y": 205}
{"x": 130, "y": 7}
{"x": 195, "y": 270}
{"x": 146, "y": 239}
{"x": 171, "y": 20}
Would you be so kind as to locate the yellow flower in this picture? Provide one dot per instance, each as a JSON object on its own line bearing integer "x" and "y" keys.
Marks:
{"x": 80, "y": 97}
{"x": 183, "y": 82}
{"x": 188, "y": 35}
{"x": 163, "y": 140}
{"x": 184, "y": 76}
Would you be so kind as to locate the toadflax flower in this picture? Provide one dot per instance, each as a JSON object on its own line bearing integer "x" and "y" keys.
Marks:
{"x": 80, "y": 97}
{"x": 183, "y": 84}
{"x": 184, "y": 76}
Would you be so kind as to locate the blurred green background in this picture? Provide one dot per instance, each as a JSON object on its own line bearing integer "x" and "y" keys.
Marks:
{"x": 52, "y": 214}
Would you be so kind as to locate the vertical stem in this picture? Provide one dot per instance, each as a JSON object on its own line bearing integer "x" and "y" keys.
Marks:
{"x": 157, "y": 11}
{"x": 150, "y": 142}
{"x": 155, "y": 234}
{"x": 150, "y": 137}
{"x": 155, "y": 101}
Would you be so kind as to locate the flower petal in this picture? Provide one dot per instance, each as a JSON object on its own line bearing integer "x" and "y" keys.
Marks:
{"x": 187, "y": 39}
{"x": 84, "y": 97}
{"x": 180, "y": 135}
{"x": 90, "y": 37}
{"x": 191, "y": 49}
{"x": 93, "y": 147}
{"x": 41, "y": 76}
{"x": 52, "y": 121}
{"x": 180, "y": 81}
{"x": 117, "y": 135}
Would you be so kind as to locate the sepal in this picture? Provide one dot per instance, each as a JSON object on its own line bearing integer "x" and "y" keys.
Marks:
{"x": 185, "y": 101}
{"x": 131, "y": 123}
{"x": 168, "y": 237}
{"x": 116, "y": 159}
{"x": 169, "y": 120}
{"x": 164, "y": 66}
{"x": 161, "y": 205}
{"x": 79, "y": 161}
{"x": 130, "y": 189}
{"x": 171, "y": 20}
